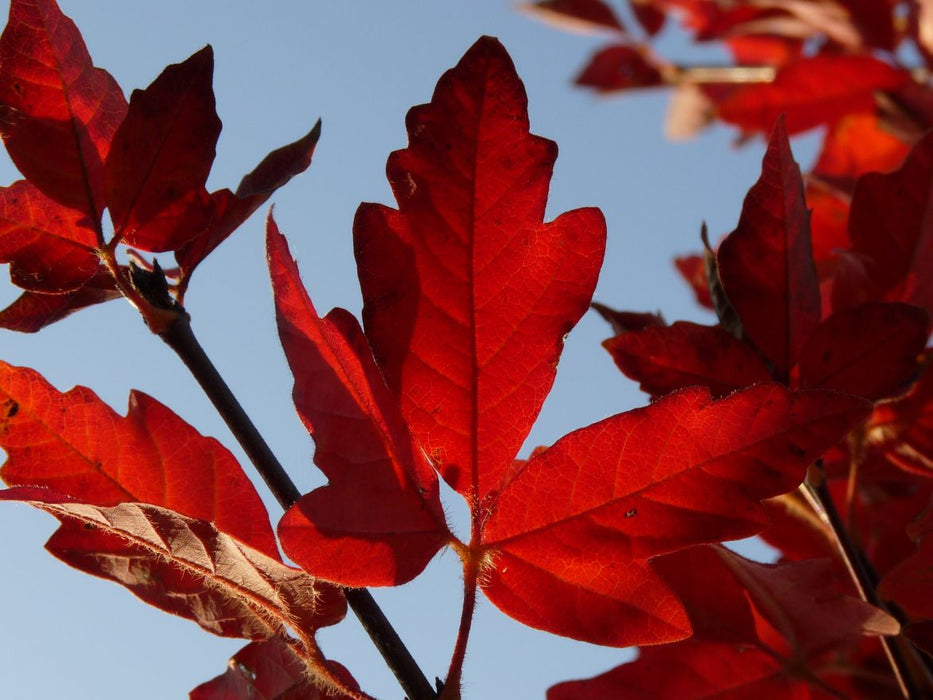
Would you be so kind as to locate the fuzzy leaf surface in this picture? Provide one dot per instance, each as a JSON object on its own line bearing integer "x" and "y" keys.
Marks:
{"x": 187, "y": 567}
{"x": 467, "y": 292}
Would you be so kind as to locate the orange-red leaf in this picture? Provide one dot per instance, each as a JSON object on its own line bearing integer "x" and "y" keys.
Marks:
{"x": 188, "y": 567}
{"x": 766, "y": 265}
{"x": 161, "y": 157}
{"x": 57, "y": 111}
{"x": 467, "y": 293}
{"x": 77, "y": 446}
{"x": 579, "y": 520}
{"x": 379, "y": 520}
{"x": 812, "y": 91}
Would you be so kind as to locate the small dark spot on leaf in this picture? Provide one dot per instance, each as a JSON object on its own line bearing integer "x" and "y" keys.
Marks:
{"x": 12, "y": 408}
{"x": 90, "y": 526}
{"x": 631, "y": 513}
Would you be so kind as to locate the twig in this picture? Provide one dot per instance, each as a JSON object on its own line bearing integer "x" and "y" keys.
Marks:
{"x": 179, "y": 336}
{"x": 863, "y": 575}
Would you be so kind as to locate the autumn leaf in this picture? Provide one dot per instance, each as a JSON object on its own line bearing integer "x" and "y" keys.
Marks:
{"x": 269, "y": 670}
{"x": 812, "y": 91}
{"x": 50, "y": 247}
{"x": 766, "y": 265}
{"x": 666, "y": 358}
{"x": 32, "y": 311}
{"x": 161, "y": 156}
{"x": 891, "y": 254}
{"x": 580, "y": 520}
{"x": 75, "y": 445}
{"x": 575, "y": 15}
{"x": 58, "y": 112}
{"x": 379, "y": 520}
{"x": 467, "y": 294}
{"x": 189, "y": 568}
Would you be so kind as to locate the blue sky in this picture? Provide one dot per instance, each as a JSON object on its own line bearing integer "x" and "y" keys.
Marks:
{"x": 359, "y": 66}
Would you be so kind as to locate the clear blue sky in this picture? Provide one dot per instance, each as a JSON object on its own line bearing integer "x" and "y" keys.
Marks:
{"x": 359, "y": 66}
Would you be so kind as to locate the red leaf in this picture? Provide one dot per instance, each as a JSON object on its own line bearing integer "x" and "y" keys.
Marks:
{"x": 693, "y": 269}
{"x": 858, "y": 144}
{"x": 690, "y": 671}
{"x": 467, "y": 293}
{"x": 267, "y": 670}
{"x": 903, "y": 429}
{"x": 379, "y": 520}
{"x": 49, "y": 246}
{"x": 812, "y": 91}
{"x": 162, "y": 153}
{"x": 78, "y": 446}
{"x": 32, "y": 312}
{"x": 575, "y": 15}
{"x": 229, "y": 210}
{"x": 664, "y": 359}
{"x": 892, "y": 243}
{"x": 579, "y": 520}
{"x": 58, "y": 112}
{"x": 620, "y": 67}
{"x": 870, "y": 350}
{"x": 766, "y": 265}
{"x": 625, "y": 321}
{"x": 188, "y": 567}
{"x": 909, "y": 583}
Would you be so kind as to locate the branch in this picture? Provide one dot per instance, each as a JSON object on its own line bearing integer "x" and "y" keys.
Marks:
{"x": 180, "y": 338}
{"x": 865, "y": 579}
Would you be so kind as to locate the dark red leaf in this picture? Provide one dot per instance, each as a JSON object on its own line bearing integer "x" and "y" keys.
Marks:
{"x": 892, "y": 239}
{"x": 870, "y": 350}
{"x": 32, "y": 311}
{"x": 162, "y": 153}
{"x": 579, "y": 521}
{"x": 766, "y": 265}
{"x": 49, "y": 246}
{"x": 649, "y": 16}
{"x": 812, "y": 91}
{"x": 229, "y": 210}
{"x": 625, "y": 321}
{"x": 620, "y": 67}
{"x": 575, "y": 15}
{"x": 379, "y": 520}
{"x": 664, "y": 359}
{"x": 467, "y": 294}
{"x": 57, "y": 111}
{"x": 903, "y": 429}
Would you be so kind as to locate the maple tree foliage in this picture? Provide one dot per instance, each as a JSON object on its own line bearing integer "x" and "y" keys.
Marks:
{"x": 804, "y": 415}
